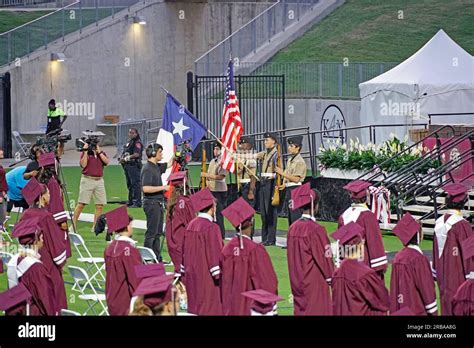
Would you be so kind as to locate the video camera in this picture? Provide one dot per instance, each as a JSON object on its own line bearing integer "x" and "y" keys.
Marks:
{"x": 183, "y": 153}
{"x": 50, "y": 142}
{"x": 91, "y": 138}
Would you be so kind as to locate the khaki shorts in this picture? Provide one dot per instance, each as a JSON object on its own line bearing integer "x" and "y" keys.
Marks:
{"x": 92, "y": 188}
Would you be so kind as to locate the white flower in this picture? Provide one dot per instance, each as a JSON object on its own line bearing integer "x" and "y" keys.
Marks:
{"x": 405, "y": 139}
{"x": 392, "y": 135}
{"x": 344, "y": 146}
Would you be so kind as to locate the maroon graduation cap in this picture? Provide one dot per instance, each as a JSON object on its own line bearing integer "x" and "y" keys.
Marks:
{"x": 302, "y": 196}
{"x": 351, "y": 234}
{"x": 47, "y": 159}
{"x": 202, "y": 199}
{"x": 263, "y": 300}
{"x": 117, "y": 219}
{"x": 404, "y": 312}
{"x": 155, "y": 290}
{"x": 467, "y": 248}
{"x": 357, "y": 188}
{"x": 150, "y": 270}
{"x": 406, "y": 228}
{"x": 32, "y": 190}
{"x": 27, "y": 230}
{"x": 238, "y": 212}
{"x": 456, "y": 191}
{"x": 177, "y": 178}
{"x": 13, "y": 297}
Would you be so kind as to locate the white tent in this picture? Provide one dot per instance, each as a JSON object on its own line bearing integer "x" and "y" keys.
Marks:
{"x": 438, "y": 78}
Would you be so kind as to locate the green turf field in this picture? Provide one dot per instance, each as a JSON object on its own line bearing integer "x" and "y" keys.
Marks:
{"x": 13, "y": 19}
{"x": 116, "y": 190}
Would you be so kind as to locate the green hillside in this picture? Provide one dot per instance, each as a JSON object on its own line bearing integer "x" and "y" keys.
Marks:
{"x": 370, "y": 31}
{"x": 13, "y": 19}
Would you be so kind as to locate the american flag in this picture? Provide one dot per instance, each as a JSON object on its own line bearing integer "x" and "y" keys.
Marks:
{"x": 232, "y": 127}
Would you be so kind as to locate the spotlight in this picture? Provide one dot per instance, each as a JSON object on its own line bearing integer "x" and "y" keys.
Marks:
{"x": 139, "y": 20}
{"x": 58, "y": 57}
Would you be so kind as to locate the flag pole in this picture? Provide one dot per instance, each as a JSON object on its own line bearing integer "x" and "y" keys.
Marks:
{"x": 164, "y": 89}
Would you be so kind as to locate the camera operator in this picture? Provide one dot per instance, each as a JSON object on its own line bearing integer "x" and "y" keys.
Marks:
{"x": 132, "y": 165}
{"x": 33, "y": 167}
{"x": 153, "y": 196}
{"x": 93, "y": 160}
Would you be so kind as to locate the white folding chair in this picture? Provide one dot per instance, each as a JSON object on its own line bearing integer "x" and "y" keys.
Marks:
{"x": 69, "y": 313}
{"x": 82, "y": 282}
{"x": 6, "y": 257}
{"x": 4, "y": 234}
{"x": 148, "y": 255}
{"x": 93, "y": 264}
{"x": 23, "y": 146}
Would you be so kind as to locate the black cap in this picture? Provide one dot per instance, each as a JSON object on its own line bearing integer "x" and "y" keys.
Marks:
{"x": 247, "y": 140}
{"x": 216, "y": 144}
{"x": 296, "y": 140}
{"x": 271, "y": 135}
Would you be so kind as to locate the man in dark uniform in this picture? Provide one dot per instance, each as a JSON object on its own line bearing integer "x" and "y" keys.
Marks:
{"x": 131, "y": 161}
{"x": 268, "y": 212}
{"x": 54, "y": 117}
{"x": 215, "y": 181}
{"x": 153, "y": 197}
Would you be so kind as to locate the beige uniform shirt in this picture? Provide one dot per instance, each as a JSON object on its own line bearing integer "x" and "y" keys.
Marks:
{"x": 244, "y": 176}
{"x": 295, "y": 166}
{"x": 268, "y": 163}
{"x": 215, "y": 168}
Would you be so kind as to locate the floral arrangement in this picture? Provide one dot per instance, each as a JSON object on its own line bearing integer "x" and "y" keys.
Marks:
{"x": 358, "y": 156}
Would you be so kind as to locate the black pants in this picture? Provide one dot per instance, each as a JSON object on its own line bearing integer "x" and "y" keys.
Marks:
{"x": 132, "y": 175}
{"x": 221, "y": 198}
{"x": 268, "y": 212}
{"x": 53, "y": 124}
{"x": 154, "y": 226}
{"x": 293, "y": 215}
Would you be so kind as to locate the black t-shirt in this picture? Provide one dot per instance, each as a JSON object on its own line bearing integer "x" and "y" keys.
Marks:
{"x": 33, "y": 165}
{"x": 151, "y": 176}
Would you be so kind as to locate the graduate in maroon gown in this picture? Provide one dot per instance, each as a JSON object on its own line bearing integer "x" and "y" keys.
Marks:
{"x": 30, "y": 271}
{"x": 121, "y": 257}
{"x": 201, "y": 254}
{"x": 56, "y": 202}
{"x": 245, "y": 265}
{"x": 310, "y": 263}
{"x": 450, "y": 231}
{"x": 356, "y": 288}
{"x": 358, "y": 212}
{"x": 412, "y": 283}
{"x": 16, "y": 301}
{"x": 53, "y": 253}
{"x": 180, "y": 213}
{"x": 463, "y": 300}
{"x": 264, "y": 303}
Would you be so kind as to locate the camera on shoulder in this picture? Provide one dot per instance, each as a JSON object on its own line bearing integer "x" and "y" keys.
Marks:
{"x": 92, "y": 139}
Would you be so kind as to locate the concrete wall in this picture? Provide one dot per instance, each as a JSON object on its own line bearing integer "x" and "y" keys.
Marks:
{"x": 118, "y": 67}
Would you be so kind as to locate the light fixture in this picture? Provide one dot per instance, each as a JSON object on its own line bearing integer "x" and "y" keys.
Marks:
{"x": 139, "y": 20}
{"x": 58, "y": 57}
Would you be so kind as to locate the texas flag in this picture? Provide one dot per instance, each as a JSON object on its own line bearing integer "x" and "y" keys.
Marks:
{"x": 178, "y": 125}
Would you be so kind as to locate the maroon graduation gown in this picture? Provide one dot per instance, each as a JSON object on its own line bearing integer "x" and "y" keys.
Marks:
{"x": 243, "y": 270}
{"x": 463, "y": 300}
{"x": 121, "y": 257}
{"x": 375, "y": 256}
{"x": 412, "y": 283}
{"x": 202, "y": 250}
{"x": 40, "y": 285}
{"x": 53, "y": 253}
{"x": 310, "y": 267}
{"x": 358, "y": 290}
{"x": 449, "y": 268}
{"x": 56, "y": 207}
{"x": 183, "y": 213}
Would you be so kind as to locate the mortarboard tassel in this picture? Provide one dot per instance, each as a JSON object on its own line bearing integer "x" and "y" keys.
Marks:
{"x": 184, "y": 181}
{"x": 241, "y": 237}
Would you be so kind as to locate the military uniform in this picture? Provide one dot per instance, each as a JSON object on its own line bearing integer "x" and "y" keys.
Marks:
{"x": 218, "y": 189}
{"x": 268, "y": 212}
{"x": 132, "y": 171}
{"x": 295, "y": 166}
{"x": 244, "y": 176}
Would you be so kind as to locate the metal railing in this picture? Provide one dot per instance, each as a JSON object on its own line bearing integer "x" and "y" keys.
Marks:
{"x": 146, "y": 127}
{"x": 249, "y": 38}
{"x": 41, "y": 32}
